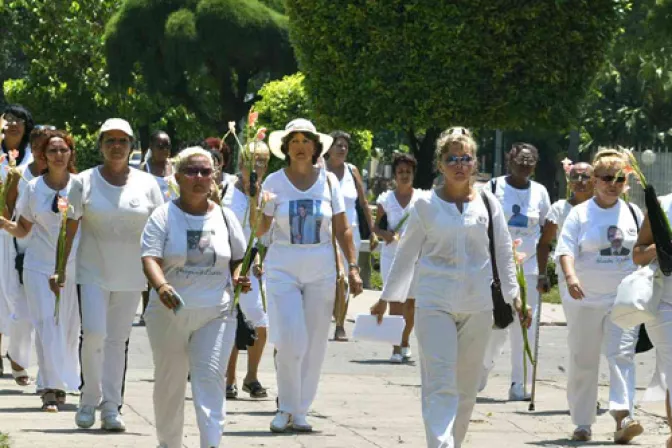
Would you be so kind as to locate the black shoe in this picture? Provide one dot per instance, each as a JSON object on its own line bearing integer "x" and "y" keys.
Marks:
{"x": 231, "y": 392}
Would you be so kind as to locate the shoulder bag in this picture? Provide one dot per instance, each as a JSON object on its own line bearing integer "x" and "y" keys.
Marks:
{"x": 364, "y": 230}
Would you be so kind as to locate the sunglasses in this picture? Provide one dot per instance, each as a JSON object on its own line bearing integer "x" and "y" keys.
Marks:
{"x": 613, "y": 179}
{"x": 11, "y": 119}
{"x": 116, "y": 141}
{"x": 193, "y": 171}
{"x": 459, "y": 160}
{"x": 580, "y": 177}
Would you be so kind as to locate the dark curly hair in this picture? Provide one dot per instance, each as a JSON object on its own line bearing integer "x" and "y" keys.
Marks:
{"x": 284, "y": 148}
{"x": 69, "y": 141}
{"x": 518, "y": 147}
{"x": 20, "y": 112}
{"x": 400, "y": 158}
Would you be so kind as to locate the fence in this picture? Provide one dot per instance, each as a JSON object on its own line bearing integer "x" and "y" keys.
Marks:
{"x": 658, "y": 174}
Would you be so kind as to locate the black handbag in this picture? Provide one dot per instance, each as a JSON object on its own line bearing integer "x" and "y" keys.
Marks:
{"x": 383, "y": 224}
{"x": 246, "y": 334}
{"x": 18, "y": 261}
{"x": 364, "y": 230}
{"x": 502, "y": 312}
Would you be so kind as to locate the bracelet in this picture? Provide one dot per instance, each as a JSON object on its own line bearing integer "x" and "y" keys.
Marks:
{"x": 160, "y": 286}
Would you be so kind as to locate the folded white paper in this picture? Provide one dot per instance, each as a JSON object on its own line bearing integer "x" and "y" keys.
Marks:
{"x": 389, "y": 331}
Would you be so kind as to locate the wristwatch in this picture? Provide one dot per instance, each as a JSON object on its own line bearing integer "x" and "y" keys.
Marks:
{"x": 353, "y": 266}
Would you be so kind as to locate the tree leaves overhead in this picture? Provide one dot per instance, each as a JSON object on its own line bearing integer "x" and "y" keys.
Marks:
{"x": 182, "y": 46}
{"x": 420, "y": 63}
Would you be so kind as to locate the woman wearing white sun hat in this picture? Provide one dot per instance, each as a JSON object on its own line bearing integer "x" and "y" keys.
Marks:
{"x": 305, "y": 205}
{"x": 116, "y": 202}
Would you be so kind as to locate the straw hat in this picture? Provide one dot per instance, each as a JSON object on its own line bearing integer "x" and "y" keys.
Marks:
{"x": 299, "y": 125}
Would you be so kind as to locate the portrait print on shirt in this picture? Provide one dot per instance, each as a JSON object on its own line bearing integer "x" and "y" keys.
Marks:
{"x": 305, "y": 219}
{"x": 518, "y": 219}
{"x": 615, "y": 238}
{"x": 200, "y": 253}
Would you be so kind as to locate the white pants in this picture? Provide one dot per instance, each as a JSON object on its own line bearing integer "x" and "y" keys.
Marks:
{"x": 9, "y": 280}
{"x": 300, "y": 320}
{"x": 197, "y": 341}
{"x": 107, "y": 320}
{"x": 452, "y": 347}
{"x": 499, "y": 338}
{"x": 21, "y": 330}
{"x": 252, "y": 305}
{"x": 591, "y": 332}
{"x": 660, "y": 332}
{"x": 56, "y": 343}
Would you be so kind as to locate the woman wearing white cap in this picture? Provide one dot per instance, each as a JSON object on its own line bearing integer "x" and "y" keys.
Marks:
{"x": 116, "y": 202}
{"x": 305, "y": 205}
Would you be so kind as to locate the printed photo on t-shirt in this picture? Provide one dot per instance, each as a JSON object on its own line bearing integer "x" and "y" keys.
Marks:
{"x": 615, "y": 239}
{"x": 305, "y": 219}
{"x": 518, "y": 219}
{"x": 200, "y": 253}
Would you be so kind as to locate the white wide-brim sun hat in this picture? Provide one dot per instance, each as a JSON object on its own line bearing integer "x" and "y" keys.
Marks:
{"x": 299, "y": 125}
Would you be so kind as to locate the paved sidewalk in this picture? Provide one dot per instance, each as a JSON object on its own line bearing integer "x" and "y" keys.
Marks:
{"x": 363, "y": 402}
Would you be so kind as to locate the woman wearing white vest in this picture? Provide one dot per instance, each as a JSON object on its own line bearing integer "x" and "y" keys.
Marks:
{"x": 595, "y": 252}
{"x": 447, "y": 235}
{"x": 352, "y": 189}
{"x": 305, "y": 205}
{"x": 191, "y": 252}
{"x": 116, "y": 202}
{"x": 236, "y": 198}
{"x": 396, "y": 206}
{"x": 525, "y": 204}
{"x": 39, "y": 212}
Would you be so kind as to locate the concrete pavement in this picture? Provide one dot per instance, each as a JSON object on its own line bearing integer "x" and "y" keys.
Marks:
{"x": 363, "y": 402}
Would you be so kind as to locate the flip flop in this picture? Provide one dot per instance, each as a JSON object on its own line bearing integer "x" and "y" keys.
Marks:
{"x": 255, "y": 389}
{"x": 21, "y": 377}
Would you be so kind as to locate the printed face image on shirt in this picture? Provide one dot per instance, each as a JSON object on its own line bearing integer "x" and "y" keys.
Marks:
{"x": 200, "y": 253}
{"x": 305, "y": 219}
{"x": 518, "y": 219}
{"x": 615, "y": 239}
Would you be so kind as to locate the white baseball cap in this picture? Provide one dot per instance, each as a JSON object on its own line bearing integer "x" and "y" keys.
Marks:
{"x": 299, "y": 125}
{"x": 116, "y": 124}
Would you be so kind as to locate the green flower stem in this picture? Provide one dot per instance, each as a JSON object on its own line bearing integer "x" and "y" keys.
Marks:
{"x": 60, "y": 257}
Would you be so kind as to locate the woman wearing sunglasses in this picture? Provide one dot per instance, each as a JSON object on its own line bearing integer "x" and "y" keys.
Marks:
{"x": 39, "y": 214}
{"x": 158, "y": 161}
{"x": 447, "y": 236}
{"x": 526, "y": 204}
{"x": 595, "y": 253}
{"x": 191, "y": 254}
{"x": 115, "y": 203}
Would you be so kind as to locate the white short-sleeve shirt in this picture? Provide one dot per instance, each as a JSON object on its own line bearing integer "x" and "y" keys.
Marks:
{"x": 112, "y": 222}
{"x": 395, "y": 213}
{"x": 196, "y": 252}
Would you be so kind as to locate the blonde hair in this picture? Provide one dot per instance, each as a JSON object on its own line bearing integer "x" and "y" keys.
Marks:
{"x": 256, "y": 147}
{"x": 183, "y": 157}
{"x": 449, "y": 138}
{"x": 609, "y": 159}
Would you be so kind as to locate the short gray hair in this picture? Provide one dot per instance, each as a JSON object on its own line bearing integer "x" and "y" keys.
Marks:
{"x": 183, "y": 156}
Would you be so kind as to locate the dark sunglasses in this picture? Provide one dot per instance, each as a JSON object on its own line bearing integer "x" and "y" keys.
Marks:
{"x": 163, "y": 146}
{"x": 579, "y": 177}
{"x": 459, "y": 160}
{"x": 193, "y": 171}
{"x": 613, "y": 179}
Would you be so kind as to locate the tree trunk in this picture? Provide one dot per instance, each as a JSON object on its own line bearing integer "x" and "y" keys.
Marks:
{"x": 424, "y": 150}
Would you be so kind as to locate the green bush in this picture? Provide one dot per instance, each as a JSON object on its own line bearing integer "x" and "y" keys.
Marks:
{"x": 4, "y": 441}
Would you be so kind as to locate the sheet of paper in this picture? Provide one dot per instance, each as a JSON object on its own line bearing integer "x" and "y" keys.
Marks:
{"x": 389, "y": 331}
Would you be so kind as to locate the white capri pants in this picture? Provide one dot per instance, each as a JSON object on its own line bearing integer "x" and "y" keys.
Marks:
{"x": 57, "y": 344}
{"x": 196, "y": 340}
{"x": 452, "y": 347}
{"x": 590, "y": 333}
{"x": 107, "y": 320}
{"x": 252, "y": 305}
{"x": 499, "y": 338}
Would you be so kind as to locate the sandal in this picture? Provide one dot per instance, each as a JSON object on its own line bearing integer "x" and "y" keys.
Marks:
{"x": 21, "y": 377}
{"x": 49, "y": 401}
{"x": 60, "y": 397}
{"x": 231, "y": 392}
{"x": 255, "y": 389}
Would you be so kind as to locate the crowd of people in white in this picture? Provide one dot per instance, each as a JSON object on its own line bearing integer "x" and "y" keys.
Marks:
{"x": 177, "y": 231}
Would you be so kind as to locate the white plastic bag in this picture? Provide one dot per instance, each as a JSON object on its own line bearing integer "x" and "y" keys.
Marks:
{"x": 638, "y": 297}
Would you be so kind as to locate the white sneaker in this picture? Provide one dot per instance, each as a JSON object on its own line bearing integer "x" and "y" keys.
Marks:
{"x": 396, "y": 358}
{"x": 111, "y": 421}
{"x": 406, "y": 353}
{"x": 300, "y": 424}
{"x": 85, "y": 417}
{"x": 281, "y": 422}
{"x": 517, "y": 393}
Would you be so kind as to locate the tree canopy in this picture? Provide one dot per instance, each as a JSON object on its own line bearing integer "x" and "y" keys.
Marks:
{"x": 187, "y": 50}
{"x": 423, "y": 65}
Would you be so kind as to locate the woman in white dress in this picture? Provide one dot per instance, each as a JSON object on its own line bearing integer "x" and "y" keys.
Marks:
{"x": 116, "y": 202}
{"x": 447, "y": 236}
{"x": 235, "y": 196}
{"x": 17, "y": 127}
{"x": 191, "y": 253}
{"x": 595, "y": 253}
{"x": 301, "y": 267}
{"x": 39, "y": 212}
{"x": 394, "y": 206}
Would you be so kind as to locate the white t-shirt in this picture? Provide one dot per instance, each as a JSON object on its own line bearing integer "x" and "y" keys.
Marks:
{"x": 113, "y": 219}
{"x": 302, "y": 218}
{"x": 196, "y": 252}
{"x": 395, "y": 213}
{"x": 36, "y": 206}
{"x": 164, "y": 184}
{"x": 601, "y": 242}
{"x": 27, "y": 176}
{"x": 525, "y": 212}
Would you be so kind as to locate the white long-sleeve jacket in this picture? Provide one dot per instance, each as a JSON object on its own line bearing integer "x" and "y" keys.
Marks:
{"x": 453, "y": 258}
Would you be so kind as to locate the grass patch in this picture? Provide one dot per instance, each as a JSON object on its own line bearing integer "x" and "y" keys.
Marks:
{"x": 4, "y": 441}
{"x": 553, "y": 296}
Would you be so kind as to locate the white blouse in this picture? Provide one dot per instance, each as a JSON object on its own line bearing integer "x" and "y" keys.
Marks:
{"x": 349, "y": 192}
{"x": 395, "y": 213}
{"x": 453, "y": 257}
